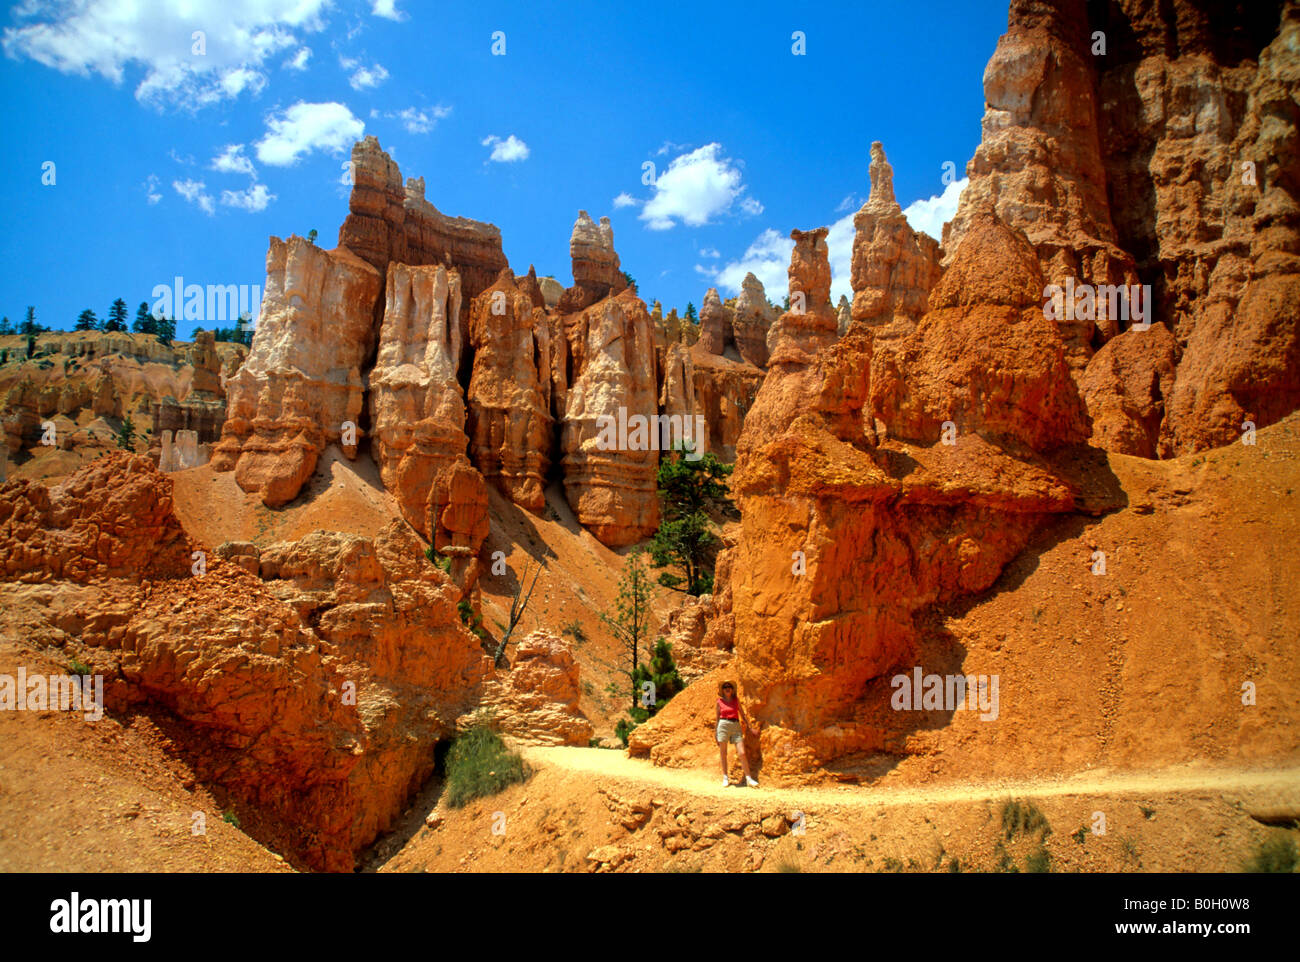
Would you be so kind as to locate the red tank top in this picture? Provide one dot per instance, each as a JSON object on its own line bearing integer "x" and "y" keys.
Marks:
{"x": 730, "y": 712}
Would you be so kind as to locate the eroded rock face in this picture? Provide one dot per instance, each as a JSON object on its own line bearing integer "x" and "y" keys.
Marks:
{"x": 510, "y": 392}
{"x": 894, "y": 267}
{"x": 183, "y": 451}
{"x": 390, "y": 222}
{"x": 537, "y": 701}
{"x": 847, "y": 533}
{"x": 1039, "y": 163}
{"x": 810, "y": 324}
{"x": 610, "y": 483}
{"x": 302, "y": 380}
{"x": 1126, "y": 387}
{"x": 596, "y": 273}
{"x": 716, "y": 334}
{"x": 111, "y": 519}
{"x": 310, "y": 679}
{"x": 752, "y": 319}
{"x": 1167, "y": 160}
{"x": 416, "y": 408}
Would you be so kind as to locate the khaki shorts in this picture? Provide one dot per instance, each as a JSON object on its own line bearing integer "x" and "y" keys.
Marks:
{"x": 729, "y": 730}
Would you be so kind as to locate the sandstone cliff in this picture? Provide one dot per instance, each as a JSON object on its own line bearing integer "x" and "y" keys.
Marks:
{"x": 302, "y": 382}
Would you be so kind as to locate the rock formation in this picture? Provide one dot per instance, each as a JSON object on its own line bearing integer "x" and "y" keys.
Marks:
{"x": 596, "y": 273}
{"x": 302, "y": 381}
{"x": 1156, "y": 147}
{"x": 894, "y": 267}
{"x": 751, "y": 320}
{"x": 610, "y": 465}
{"x": 389, "y": 223}
{"x": 316, "y": 698}
{"x": 716, "y": 334}
{"x": 182, "y": 451}
{"x": 537, "y": 701}
{"x": 846, "y": 534}
{"x": 510, "y": 392}
{"x": 417, "y": 411}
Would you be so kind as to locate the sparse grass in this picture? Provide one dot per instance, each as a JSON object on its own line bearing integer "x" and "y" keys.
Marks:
{"x": 1005, "y": 863}
{"x": 784, "y": 866}
{"x": 480, "y": 765}
{"x": 76, "y": 667}
{"x": 1276, "y": 854}
{"x": 893, "y": 865}
{"x": 1023, "y": 818}
{"x": 954, "y": 867}
{"x": 1147, "y": 813}
{"x": 1039, "y": 860}
{"x": 575, "y": 631}
{"x": 1080, "y": 834}
{"x": 1129, "y": 847}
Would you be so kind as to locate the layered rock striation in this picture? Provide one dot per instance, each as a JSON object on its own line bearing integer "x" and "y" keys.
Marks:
{"x": 301, "y": 386}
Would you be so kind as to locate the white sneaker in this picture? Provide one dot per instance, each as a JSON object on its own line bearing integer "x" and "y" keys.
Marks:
{"x": 725, "y": 781}
{"x": 750, "y": 782}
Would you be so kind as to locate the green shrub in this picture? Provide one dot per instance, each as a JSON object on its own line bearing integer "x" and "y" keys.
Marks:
{"x": 1277, "y": 854}
{"x": 480, "y": 765}
{"x": 442, "y": 561}
{"x": 575, "y": 631}
{"x": 78, "y": 667}
{"x": 231, "y": 818}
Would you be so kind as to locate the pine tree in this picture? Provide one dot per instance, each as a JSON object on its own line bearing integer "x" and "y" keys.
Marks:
{"x": 126, "y": 434}
{"x": 630, "y": 622}
{"x": 690, "y": 313}
{"x": 165, "y": 330}
{"x": 86, "y": 321}
{"x": 6, "y": 327}
{"x": 144, "y": 323}
{"x": 116, "y": 320}
{"x": 688, "y": 491}
{"x": 29, "y": 326}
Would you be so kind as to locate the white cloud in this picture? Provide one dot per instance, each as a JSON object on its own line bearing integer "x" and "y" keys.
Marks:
{"x": 710, "y": 252}
{"x": 625, "y": 200}
{"x": 387, "y": 9}
{"x": 305, "y": 127}
{"x": 930, "y": 215}
{"x": 767, "y": 258}
{"x": 195, "y": 191}
{"x": 506, "y": 151}
{"x": 667, "y": 146}
{"x": 850, "y": 202}
{"x": 151, "y": 189}
{"x": 839, "y": 244}
{"x": 417, "y": 121}
{"x": 299, "y": 60}
{"x": 232, "y": 161}
{"x": 696, "y": 187}
{"x": 255, "y": 198}
{"x": 363, "y": 78}
{"x": 106, "y": 37}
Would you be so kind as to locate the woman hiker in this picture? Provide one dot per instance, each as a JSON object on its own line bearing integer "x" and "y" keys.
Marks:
{"x": 731, "y": 728}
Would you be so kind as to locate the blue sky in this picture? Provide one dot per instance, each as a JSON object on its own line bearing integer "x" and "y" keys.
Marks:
{"x": 171, "y": 162}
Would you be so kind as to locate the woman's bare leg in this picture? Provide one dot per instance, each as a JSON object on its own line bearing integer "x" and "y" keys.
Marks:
{"x": 722, "y": 750}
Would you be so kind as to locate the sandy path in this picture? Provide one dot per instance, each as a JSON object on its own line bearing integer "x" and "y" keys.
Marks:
{"x": 1266, "y": 788}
